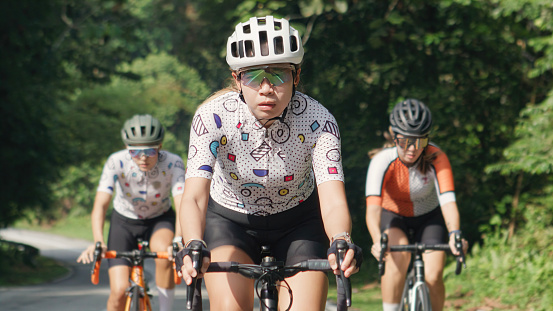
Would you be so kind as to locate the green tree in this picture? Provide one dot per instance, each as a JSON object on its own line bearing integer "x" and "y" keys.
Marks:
{"x": 50, "y": 48}
{"x": 168, "y": 90}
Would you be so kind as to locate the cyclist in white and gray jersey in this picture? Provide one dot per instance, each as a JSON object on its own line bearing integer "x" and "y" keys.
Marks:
{"x": 142, "y": 178}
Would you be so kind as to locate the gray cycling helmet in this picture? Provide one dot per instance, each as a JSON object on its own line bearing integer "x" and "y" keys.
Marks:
{"x": 411, "y": 118}
{"x": 142, "y": 129}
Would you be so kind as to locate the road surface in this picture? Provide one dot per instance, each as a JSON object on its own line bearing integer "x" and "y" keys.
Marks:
{"x": 72, "y": 292}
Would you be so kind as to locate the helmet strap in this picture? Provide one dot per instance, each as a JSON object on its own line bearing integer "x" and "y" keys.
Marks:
{"x": 241, "y": 95}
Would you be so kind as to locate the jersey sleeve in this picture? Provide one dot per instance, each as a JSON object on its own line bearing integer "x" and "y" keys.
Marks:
{"x": 109, "y": 175}
{"x": 204, "y": 138}
{"x": 375, "y": 179}
{"x": 177, "y": 181}
{"x": 327, "y": 154}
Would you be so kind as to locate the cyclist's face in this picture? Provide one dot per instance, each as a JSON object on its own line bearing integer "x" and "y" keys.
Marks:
{"x": 145, "y": 160}
{"x": 408, "y": 151}
{"x": 267, "y": 89}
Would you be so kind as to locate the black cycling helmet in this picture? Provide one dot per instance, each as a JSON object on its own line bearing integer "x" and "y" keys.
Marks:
{"x": 411, "y": 118}
{"x": 142, "y": 129}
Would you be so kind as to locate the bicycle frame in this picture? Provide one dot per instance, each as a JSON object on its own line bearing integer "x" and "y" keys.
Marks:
{"x": 416, "y": 296}
{"x": 138, "y": 298}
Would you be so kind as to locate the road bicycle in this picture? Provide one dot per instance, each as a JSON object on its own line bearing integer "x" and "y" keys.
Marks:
{"x": 138, "y": 297}
{"x": 271, "y": 274}
{"x": 416, "y": 296}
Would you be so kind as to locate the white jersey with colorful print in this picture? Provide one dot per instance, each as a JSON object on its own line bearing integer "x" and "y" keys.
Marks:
{"x": 142, "y": 195}
{"x": 263, "y": 171}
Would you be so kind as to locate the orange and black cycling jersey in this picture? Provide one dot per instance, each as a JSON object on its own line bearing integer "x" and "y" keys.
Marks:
{"x": 405, "y": 190}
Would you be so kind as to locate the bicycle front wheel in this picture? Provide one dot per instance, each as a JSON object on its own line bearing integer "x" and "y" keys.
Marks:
{"x": 422, "y": 299}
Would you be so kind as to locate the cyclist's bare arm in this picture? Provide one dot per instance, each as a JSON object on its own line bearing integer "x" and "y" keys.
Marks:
{"x": 336, "y": 219}
{"x": 192, "y": 213}
{"x": 372, "y": 217}
{"x": 177, "y": 203}
{"x": 99, "y": 210}
{"x": 453, "y": 222}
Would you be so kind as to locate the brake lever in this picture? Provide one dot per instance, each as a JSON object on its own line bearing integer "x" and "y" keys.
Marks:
{"x": 195, "y": 252}
{"x": 175, "y": 268}
{"x": 342, "y": 247}
{"x": 383, "y": 248}
{"x": 460, "y": 258}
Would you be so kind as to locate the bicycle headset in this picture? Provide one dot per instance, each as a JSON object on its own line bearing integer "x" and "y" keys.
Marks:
{"x": 142, "y": 129}
{"x": 411, "y": 118}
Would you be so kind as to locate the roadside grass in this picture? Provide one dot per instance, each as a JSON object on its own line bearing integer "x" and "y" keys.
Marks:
{"x": 75, "y": 225}
{"x": 13, "y": 272}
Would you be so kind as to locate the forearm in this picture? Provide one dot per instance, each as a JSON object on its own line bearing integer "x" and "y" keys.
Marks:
{"x": 372, "y": 218}
{"x": 451, "y": 216}
{"x": 99, "y": 210}
{"x": 177, "y": 203}
{"x": 334, "y": 208}
{"x": 193, "y": 208}
{"x": 192, "y": 219}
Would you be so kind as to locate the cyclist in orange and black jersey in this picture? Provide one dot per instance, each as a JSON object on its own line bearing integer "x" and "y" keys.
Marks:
{"x": 410, "y": 189}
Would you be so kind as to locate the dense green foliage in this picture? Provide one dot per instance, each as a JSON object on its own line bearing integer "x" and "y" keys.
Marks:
{"x": 73, "y": 71}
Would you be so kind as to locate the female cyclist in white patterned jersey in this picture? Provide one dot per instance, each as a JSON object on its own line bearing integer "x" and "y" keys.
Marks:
{"x": 142, "y": 179}
{"x": 256, "y": 150}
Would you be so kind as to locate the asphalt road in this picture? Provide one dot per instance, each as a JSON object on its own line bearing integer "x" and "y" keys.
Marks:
{"x": 74, "y": 291}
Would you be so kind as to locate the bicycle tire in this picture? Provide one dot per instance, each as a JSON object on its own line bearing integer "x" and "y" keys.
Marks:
{"x": 422, "y": 298}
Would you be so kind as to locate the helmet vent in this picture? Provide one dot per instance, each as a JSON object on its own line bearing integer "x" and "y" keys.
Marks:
{"x": 293, "y": 43}
{"x": 142, "y": 130}
{"x": 248, "y": 48}
{"x": 234, "y": 49}
{"x": 278, "y": 25}
{"x": 279, "y": 45}
{"x": 247, "y": 29}
{"x": 263, "y": 43}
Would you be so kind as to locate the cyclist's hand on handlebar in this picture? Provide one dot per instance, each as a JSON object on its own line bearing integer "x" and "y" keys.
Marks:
{"x": 352, "y": 260}
{"x": 348, "y": 266}
{"x": 453, "y": 247}
{"x": 185, "y": 266}
{"x": 87, "y": 256}
{"x": 187, "y": 271}
{"x": 376, "y": 250}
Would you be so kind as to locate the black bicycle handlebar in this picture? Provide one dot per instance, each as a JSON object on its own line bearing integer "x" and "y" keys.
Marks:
{"x": 276, "y": 270}
{"x": 420, "y": 248}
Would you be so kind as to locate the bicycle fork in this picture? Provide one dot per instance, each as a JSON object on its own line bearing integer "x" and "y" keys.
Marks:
{"x": 137, "y": 281}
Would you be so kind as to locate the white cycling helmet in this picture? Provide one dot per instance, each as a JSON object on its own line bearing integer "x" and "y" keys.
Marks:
{"x": 264, "y": 40}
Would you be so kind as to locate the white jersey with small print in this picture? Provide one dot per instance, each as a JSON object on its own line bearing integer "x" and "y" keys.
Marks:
{"x": 138, "y": 194}
{"x": 263, "y": 171}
